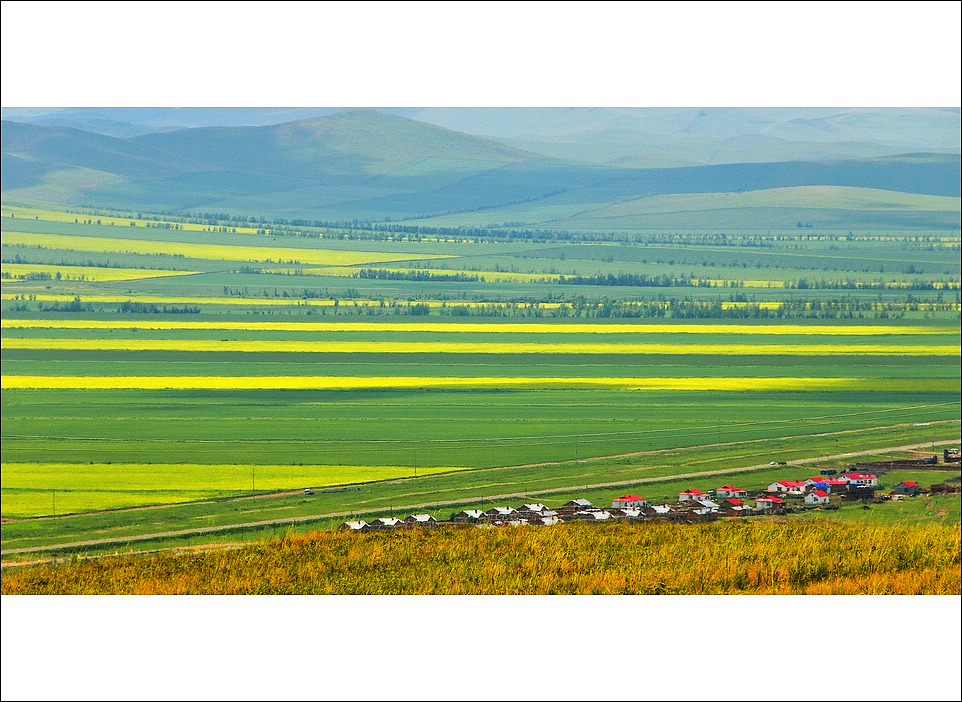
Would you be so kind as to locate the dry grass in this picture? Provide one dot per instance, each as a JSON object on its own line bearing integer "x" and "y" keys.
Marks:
{"x": 717, "y": 558}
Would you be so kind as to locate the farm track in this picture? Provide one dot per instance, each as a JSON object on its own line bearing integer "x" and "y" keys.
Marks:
{"x": 447, "y": 503}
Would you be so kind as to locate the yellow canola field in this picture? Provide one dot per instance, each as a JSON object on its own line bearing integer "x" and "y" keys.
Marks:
{"x": 498, "y": 327}
{"x": 485, "y": 276}
{"x": 12, "y": 212}
{"x": 19, "y": 271}
{"x": 403, "y": 347}
{"x": 74, "y": 382}
{"x": 212, "y": 252}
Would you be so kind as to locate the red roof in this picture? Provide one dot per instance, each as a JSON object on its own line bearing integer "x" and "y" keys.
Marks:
{"x": 629, "y": 498}
{"x": 734, "y": 501}
{"x": 731, "y": 487}
{"x": 692, "y": 491}
{"x": 834, "y": 481}
{"x": 908, "y": 483}
{"x": 771, "y": 499}
{"x": 859, "y": 476}
{"x": 820, "y": 493}
{"x": 791, "y": 483}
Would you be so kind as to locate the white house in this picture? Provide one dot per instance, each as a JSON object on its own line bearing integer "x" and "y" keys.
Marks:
{"x": 769, "y": 502}
{"x": 692, "y": 494}
{"x": 861, "y": 480}
{"x": 730, "y": 491}
{"x": 628, "y": 501}
{"x": 788, "y": 487}
{"x": 816, "y": 497}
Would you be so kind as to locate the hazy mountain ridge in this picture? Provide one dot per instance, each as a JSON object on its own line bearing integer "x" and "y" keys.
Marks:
{"x": 371, "y": 165}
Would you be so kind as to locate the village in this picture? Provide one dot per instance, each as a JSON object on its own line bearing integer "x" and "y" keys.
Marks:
{"x": 825, "y": 491}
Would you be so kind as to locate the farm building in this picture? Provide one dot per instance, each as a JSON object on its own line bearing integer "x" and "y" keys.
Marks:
{"x": 384, "y": 523}
{"x": 788, "y": 487}
{"x": 691, "y": 494}
{"x": 658, "y": 510}
{"x": 575, "y": 505}
{"x": 826, "y": 484}
{"x": 908, "y": 487}
{"x": 862, "y": 479}
{"x": 468, "y": 515}
{"x": 730, "y": 491}
{"x": 533, "y": 507}
{"x": 951, "y": 455}
{"x": 628, "y": 501}
{"x": 769, "y": 503}
{"x": 502, "y": 514}
{"x": 420, "y": 520}
{"x": 703, "y": 506}
{"x": 816, "y": 497}
{"x": 735, "y": 506}
{"x": 354, "y": 526}
{"x": 591, "y": 515}
{"x": 627, "y": 512}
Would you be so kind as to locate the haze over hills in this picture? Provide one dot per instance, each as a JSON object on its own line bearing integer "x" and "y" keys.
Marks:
{"x": 372, "y": 165}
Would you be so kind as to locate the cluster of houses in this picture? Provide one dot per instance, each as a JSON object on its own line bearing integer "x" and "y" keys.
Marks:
{"x": 693, "y": 505}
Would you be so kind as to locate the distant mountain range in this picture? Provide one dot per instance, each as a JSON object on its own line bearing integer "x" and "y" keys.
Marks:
{"x": 373, "y": 165}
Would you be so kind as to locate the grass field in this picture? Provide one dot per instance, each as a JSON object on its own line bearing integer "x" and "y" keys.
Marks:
{"x": 725, "y": 558}
{"x": 129, "y": 392}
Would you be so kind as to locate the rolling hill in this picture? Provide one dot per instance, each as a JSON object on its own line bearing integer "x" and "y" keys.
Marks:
{"x": 369, "y": 165}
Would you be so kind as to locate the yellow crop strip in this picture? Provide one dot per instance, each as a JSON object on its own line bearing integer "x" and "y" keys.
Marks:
{"x": 473, "y": 328}
{"x": 212, "y": 252}
{"x": 22, "y": 271}
{"x": 74, "y": 382}
{"x": 439, "y": 347}
{"x": 12, "y": 212}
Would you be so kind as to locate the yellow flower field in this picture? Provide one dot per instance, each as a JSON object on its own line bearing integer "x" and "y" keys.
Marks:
{"x": 28, "y": 487}
{"x": 499, "y": 327}
{"x": 51, "y": 216}
{"x": 285, "y": 346}
{"x": 212, "y": 252}
{"x": 19, "y": 271}
{"x": 76, "y": 382}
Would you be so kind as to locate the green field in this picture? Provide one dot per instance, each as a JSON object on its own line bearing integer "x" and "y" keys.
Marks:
{"x": 773, "y": 344}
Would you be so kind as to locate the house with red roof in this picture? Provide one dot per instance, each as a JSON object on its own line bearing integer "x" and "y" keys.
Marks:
{"x": 628, "y": 501}
{"x": 730, "y": 491}
{"x": 769, "y": 502}
{"x": 734, "y": 506}
{"x": 692, "y": 494}
{"x": 789, "y": 487}
{"x": 816, "y": 497}
{"x": 861, "y": 479}
{"x": 907, "y": 487}
{"x": 826, "y": 484}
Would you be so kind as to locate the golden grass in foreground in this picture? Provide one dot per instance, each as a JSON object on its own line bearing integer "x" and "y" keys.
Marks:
{"x": 285, "y": 346}
{"x": 93, "y": 274}
{"x": 328, "y": 382}
{"x": 497, "y": 327}
{"x": 762, "y": 557}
